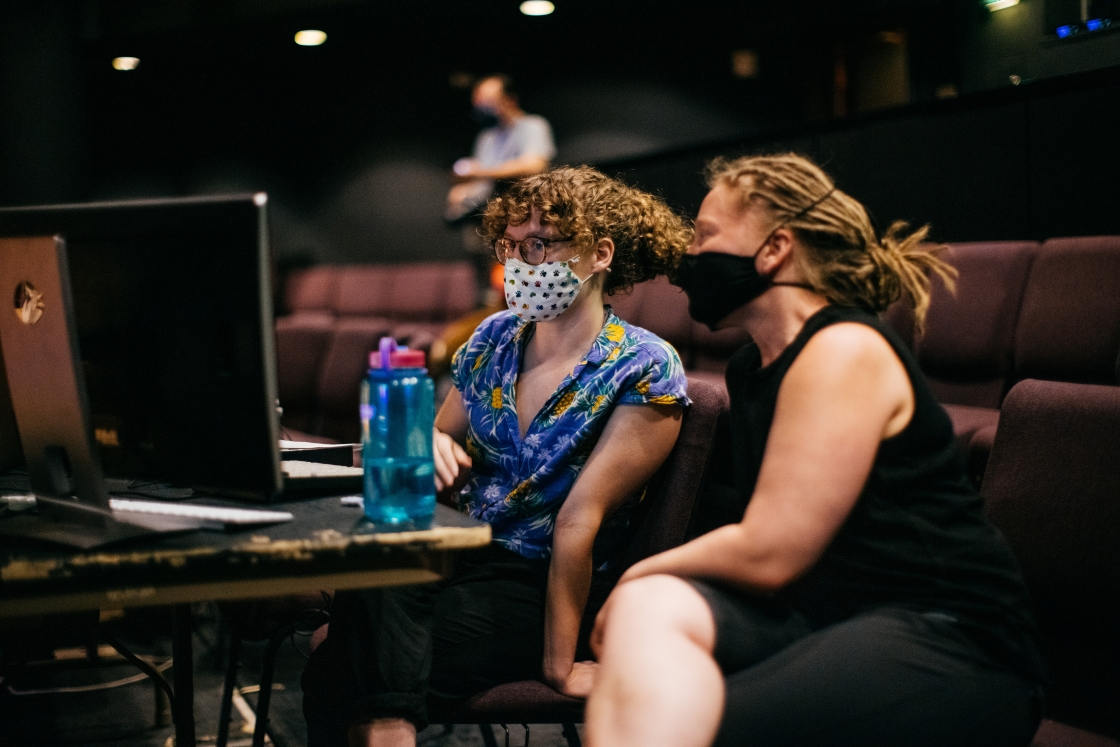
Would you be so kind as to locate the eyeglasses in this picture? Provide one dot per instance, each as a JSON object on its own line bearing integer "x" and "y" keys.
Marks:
{"x": 533, "y": 250}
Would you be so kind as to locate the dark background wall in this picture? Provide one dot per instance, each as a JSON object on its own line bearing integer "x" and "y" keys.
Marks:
{"x": 1034, "y": 161}
{"x": 353, "y": 140}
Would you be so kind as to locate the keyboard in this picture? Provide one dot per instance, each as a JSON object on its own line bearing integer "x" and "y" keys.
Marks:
{"x": 209, "y": 517}
{"x": 299, "y": 470}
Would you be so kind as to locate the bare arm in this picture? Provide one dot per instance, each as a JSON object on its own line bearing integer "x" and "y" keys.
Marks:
{"x": 526, "y": 165}
{"x": 845, "y": 393}
{"x": 634, "y": 443}
{"x": 452, "y": 463}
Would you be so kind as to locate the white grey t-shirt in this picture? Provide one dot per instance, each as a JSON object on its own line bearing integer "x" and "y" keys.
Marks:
{"x": 530, "y": 135}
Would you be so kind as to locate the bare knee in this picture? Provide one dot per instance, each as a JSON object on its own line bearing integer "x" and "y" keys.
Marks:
{"x": 663, "y": 606}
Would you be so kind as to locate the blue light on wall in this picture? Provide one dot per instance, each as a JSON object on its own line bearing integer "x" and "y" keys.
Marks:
{"x": 1073, "y": 29}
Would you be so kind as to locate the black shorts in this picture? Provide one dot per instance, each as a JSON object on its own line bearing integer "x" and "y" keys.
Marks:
{"x": 889, "y": 677}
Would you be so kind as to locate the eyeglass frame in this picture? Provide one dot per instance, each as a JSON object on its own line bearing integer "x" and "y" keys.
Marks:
{"x": 519, "y": 244}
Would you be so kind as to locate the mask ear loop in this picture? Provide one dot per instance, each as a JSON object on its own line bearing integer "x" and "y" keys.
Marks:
{"x": 787, "y": 221}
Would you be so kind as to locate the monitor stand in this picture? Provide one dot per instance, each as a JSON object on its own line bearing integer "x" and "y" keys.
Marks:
{"x": 39, "y": 339}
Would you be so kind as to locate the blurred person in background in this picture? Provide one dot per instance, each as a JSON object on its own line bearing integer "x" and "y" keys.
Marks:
{"x": 512, "y": 144}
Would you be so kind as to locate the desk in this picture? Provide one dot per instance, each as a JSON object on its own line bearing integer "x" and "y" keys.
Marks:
{"x": 316, "y": 550}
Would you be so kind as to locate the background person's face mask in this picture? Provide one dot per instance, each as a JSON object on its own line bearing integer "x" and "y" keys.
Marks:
{"x": 485, "y": 116}
{"x": 537, "y": 293}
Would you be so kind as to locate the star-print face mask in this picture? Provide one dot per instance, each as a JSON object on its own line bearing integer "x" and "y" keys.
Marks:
{"x": 537, "y": 293}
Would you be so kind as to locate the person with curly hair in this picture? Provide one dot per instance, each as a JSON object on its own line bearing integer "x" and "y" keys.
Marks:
{"x": 863, "y": 599}
{"x": 560, "y": 414}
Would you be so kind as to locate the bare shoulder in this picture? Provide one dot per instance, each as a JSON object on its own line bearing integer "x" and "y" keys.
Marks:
{"x": 847, "y": 358}
{"x": 850, "y": 345}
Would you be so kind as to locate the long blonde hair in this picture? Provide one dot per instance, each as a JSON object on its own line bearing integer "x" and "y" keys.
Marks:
{"x": 844, "y": 259}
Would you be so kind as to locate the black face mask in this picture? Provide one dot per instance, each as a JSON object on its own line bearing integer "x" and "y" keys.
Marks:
{"x": 717, "y": 284}
{"x": 485, "y": 117}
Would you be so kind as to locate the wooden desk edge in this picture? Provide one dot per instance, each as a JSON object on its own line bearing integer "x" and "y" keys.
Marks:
{"x": 447, "y": 540}
{"x": 146, "y": 596}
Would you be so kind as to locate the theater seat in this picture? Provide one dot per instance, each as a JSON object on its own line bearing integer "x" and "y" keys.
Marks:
{"x": 966, "y": 349}
{"x": 1053, "y": 734}
{"x": 662, "y": 308}
{"x": 312, "y": 289}
{"x": 301, "y": 342}
{"x": 1053, "y": 488}
{"x": 339, "y": 314}
{"x": 1069, "y": 326}
{"x": 345, "y": 362}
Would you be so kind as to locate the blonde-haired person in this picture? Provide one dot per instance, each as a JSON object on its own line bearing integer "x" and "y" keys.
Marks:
{"x": 561, "y": 412}
{"x": 863, "y": 599}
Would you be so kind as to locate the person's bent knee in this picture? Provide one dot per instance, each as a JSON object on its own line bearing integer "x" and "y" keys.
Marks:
{"x": 663, "y": 603}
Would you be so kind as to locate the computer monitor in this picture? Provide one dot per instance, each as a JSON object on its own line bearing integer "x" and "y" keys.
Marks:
{"x": 174, "y": 334}
{"x": 11, "y": 451}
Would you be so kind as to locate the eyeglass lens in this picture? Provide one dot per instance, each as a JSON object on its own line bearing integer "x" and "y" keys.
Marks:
{"x": 532, "y": 250}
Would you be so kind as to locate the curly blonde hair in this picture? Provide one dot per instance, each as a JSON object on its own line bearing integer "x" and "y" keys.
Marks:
{"x": 845, "y": 260}
{"x": 649, "y": 238}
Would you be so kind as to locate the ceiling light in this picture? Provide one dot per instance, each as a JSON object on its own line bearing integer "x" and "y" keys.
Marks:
{"x": 314, "y": 37}
{"x": 537, "y": 7}
{"x": 744, "y": 63}
{"x": 994, "y": 5}
{"x": 126, "y": 63}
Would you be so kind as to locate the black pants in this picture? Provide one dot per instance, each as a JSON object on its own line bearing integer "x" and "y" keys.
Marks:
{"x": 886, "y": 678}
{"x": 391, "y": 651}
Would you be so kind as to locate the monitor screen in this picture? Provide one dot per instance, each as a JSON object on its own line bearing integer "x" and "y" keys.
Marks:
{"x": 173, "y": 312}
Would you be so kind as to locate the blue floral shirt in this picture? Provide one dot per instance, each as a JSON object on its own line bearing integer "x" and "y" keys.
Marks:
{"x": 518, "y": 485}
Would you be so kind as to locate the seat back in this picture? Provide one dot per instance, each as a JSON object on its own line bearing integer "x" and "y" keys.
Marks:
{"x": 661, "y": 308}
{"x": 345, "y": 363}
{"x": 1069, "y": 325}
{"x": 415, "y": 292}
{"x": 301, "y": 343}
{"x": 311, "y": 289}
{"x": 663, "y": 517}
{"x": 966, "y": 349}
{"x": 1053, "y": 487}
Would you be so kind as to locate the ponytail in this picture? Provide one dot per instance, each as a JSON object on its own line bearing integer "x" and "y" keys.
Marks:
{"x": 844, "y": 259}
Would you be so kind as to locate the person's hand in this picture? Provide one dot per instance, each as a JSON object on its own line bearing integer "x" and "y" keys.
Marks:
{"x": 452, "y": 465}
{"x": 465, "y": 169}
{"x": 579, "y": 681}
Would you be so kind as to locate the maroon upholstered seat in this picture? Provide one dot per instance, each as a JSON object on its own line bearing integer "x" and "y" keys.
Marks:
{"x": 900, "y": 315}
{"x": 339, "y": 315}
{"x": 662, "y": 308}
{"x": 312, "y": 289}
{"x": 659, "y": 307}
{"x": 1054, "y": 734}
{"x": 965, "y": 350}
{"x": 1069, "y": 325}
{"x": 345, "y": 362}
{"x": 712, "y": 350}
{"x": 301, "y": 342}
{"x": 1053, "y": 488}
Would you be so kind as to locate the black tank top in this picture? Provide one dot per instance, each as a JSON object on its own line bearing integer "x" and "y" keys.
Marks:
{"x": 917, "y": 537}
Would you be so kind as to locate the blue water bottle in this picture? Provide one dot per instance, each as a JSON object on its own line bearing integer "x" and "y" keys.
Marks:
{"x": 398, "y": 413}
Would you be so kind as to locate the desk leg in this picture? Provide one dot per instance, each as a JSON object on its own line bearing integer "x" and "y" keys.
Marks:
{"x": 183, "y": 655}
